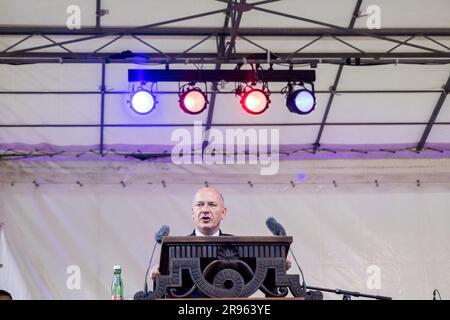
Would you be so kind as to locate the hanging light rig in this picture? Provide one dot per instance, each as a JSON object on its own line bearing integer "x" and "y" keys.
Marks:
{"x": 251, "y": 86}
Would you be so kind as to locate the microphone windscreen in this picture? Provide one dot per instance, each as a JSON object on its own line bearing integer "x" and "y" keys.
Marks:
{"x": 314, "y": 295}
{"x": 162, "y": 232}
{"x": 139, "y": 296}
{"x": 274, "y": 227}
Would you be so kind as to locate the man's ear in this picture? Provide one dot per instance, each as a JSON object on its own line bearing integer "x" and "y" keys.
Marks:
{"x": 224, "y": 213}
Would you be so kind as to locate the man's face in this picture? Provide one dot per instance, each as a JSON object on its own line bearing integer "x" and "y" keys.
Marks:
{"x": 208, "y": 210}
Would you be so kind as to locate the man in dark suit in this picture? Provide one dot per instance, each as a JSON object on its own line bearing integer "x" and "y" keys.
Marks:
{"x": 208, "y": 211}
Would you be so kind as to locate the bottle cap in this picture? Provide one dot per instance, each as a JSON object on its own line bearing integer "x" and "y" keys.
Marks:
{"x": 117, "y": 268}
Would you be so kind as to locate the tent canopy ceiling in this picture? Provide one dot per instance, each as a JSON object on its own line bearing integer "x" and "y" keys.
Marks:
{"x": 395, "y": 95}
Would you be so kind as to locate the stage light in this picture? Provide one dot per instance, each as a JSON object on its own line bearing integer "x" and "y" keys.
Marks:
{"x": 255, "y": 101}
{"x": 301, "y": 101}
{"x": 142, "y": 101}
{"x": 193, "y": 101}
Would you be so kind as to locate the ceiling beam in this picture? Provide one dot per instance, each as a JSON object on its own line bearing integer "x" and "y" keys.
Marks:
{"x": 120, "y": 32}
{"x": 434, "y": 115}
{"x": 337, "y": 78}
{"x": 336, "y": 61}
{"x": 221, "y": 92}
{"x": 98, "y": 15}
{"x": 235, "y": 23}
{"x": 248, "y": 55}
{"x": 236, "y": 124}
{"x": 221, "y": 47}
{"x": 6, "y": 30}
{"x": 347, "y": 30}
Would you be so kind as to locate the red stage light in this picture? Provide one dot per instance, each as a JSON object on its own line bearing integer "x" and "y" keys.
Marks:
{"x": 193, "y": 101}
{"x": 255, "y": 101}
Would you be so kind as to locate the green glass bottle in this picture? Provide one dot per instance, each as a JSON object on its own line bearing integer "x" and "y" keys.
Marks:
{"x": 117, "y": 285}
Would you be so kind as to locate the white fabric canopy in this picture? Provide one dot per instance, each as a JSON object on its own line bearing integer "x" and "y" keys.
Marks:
{"x": 390, "y": 240}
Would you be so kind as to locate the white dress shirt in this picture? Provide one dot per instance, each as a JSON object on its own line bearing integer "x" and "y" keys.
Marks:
{"x": 199, "y": 234}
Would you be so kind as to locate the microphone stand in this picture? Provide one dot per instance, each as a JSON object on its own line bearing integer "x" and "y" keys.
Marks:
{"x": 348, "y": 294}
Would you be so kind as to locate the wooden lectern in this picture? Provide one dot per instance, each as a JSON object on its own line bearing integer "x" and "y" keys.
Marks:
{"x": 225, "y": 267}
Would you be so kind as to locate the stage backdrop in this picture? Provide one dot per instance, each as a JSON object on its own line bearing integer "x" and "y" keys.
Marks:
{"x": 379, "y": 227}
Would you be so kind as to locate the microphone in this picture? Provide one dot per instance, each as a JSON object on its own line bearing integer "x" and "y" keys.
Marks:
{"x": 277, "y": 230}
{"x": 162, "y": 232}
{"x": 274, "y": 227}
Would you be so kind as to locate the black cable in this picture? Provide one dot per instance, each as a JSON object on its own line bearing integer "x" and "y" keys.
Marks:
{"x": 148, "y": 269}
{"x": 301, "y": 271}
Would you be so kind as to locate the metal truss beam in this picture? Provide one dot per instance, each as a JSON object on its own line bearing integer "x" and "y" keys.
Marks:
{"x": 217, "y": 92}
{"x": 98, "y": 15}
{"x": 102, "y": 108}
{"x": 347, "y": 58}
{"x": 210, "y": 55}
{"x": 221, "y": 47}
{"x": 235, "y": 23}
{"x": 201, "y": 31}
{"x": 316, "y": 145}
{"x": 122, "y": 32}
{"x": 336, "y": 61}
{"x": 434, "y": 115}
{"x": 171, "y": 125}
{"x": 348, "y": 30}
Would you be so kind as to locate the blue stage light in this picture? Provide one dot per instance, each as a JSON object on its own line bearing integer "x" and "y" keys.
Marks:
{"x": 301, "y": 101}
{"x": 142, "y": 102}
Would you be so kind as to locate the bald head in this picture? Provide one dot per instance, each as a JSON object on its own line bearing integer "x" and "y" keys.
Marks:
{"x": 208, "y": 210}
{"x": 211, "y": 191}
